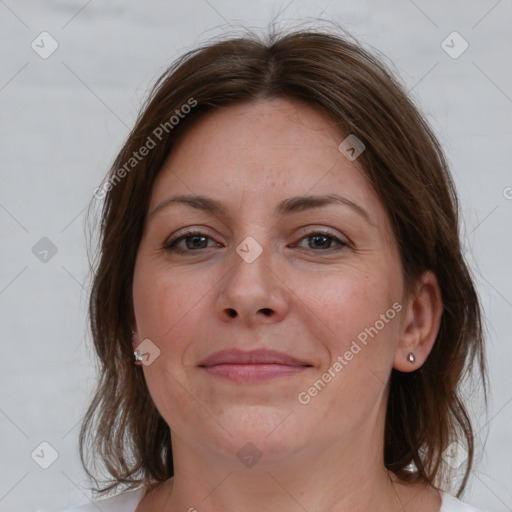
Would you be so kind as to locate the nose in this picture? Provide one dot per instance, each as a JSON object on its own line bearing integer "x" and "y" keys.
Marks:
{"x": 252, "y": 293}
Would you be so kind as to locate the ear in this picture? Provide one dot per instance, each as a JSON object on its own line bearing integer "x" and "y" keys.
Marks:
{"x": 420, "y": 323}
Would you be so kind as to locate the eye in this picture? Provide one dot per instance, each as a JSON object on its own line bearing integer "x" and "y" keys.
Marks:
{"x": 193, "y": 241}
{"x": 318, "y": 240}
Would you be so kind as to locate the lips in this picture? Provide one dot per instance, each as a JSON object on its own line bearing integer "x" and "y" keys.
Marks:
{"x": 252, "y": 367}
{"x": 254, "y": 357}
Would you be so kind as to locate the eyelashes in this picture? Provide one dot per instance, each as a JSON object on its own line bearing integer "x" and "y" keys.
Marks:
{"x": 198, "y": 240}
{"x": 320, "y": 235}
{"x": 171, "y": 245}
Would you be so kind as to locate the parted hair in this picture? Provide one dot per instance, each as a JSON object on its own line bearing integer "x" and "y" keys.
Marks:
{"x": 122, "y": 429}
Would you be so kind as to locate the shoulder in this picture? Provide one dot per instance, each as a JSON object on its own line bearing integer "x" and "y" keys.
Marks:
{"x": 125, "y": 502}
{"x": 452, "y": 504}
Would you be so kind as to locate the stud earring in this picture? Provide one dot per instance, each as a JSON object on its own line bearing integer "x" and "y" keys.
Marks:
{"x": 411, "y": 357}
{"x": 138, "y": 358}
{"x": 136, "y": 353}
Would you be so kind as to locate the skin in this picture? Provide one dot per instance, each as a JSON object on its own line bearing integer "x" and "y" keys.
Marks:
{"x": 319, "y": 296}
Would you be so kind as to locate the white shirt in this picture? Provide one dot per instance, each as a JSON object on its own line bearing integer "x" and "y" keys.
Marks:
{"x": 128, "y": 501}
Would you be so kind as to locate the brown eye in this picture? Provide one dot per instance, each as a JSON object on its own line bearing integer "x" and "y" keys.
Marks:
{"x": 188, "y": 242}
{"x": 323, "y": 241}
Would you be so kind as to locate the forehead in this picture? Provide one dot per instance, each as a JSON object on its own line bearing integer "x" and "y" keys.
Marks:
{"x": 258, "y": 153}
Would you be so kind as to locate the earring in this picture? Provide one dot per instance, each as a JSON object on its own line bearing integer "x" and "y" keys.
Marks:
{"x": 136, "y": 353}
{"x": 138, "y": 358}
{"x": 411, "y": 357}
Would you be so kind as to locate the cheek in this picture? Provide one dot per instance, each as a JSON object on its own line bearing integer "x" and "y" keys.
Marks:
{"x": 349, "y": 303}
{"x": 166, "y": 299}
{"x": 169, "y": 312}
{"x": 355, "y": 316}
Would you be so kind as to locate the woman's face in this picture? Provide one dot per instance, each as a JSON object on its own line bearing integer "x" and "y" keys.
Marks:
{"x": 268, "y": 268}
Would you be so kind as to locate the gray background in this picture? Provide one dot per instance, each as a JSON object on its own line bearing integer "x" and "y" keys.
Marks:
{"x": 63, "y": 119}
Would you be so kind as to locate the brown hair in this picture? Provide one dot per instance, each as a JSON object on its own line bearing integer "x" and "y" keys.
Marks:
{"x": 405, "y": 165}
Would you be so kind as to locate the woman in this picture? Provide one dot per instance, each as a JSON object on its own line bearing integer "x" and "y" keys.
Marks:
{"x": 281, "y": 295}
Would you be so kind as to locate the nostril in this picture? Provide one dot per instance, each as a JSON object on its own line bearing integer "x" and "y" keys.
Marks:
{"x": 266, "y": 311}
{"x": 231, "y": 313}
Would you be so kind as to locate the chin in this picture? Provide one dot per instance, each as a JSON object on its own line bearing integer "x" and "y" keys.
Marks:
{"x": 273, "y": 431}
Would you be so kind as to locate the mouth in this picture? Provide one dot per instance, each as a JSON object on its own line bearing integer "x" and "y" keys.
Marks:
{"x": 254, "y": 366}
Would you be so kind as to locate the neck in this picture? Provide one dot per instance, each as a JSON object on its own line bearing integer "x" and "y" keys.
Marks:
{"x": 348, "y": 477}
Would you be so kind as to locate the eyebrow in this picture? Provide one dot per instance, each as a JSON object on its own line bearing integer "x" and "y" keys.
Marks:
{"x": 286, "y": 207}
